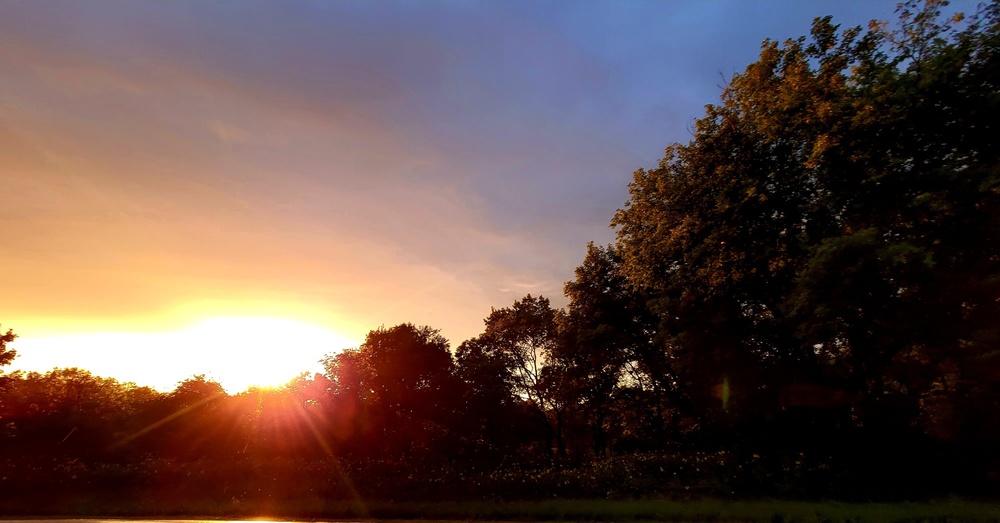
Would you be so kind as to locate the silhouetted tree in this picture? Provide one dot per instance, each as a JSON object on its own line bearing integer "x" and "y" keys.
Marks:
{"x": 493, "y": 419}
{"x": 7, "y": 354}
{"x": 520, "y": 339}
{"x": 68, "y": 411}
{"x": 399, "y": 386}
{"x": 606, "y": 344}
{"x": 833, "y": 226}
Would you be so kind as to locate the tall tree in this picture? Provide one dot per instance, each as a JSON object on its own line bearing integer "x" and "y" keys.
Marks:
{"x": 521, "y": 339}
{"x": 606, "y": 343}
{"x": 491, "y": 407}
{"x": 402, "y": 381}
{"x": 833, "y": 223}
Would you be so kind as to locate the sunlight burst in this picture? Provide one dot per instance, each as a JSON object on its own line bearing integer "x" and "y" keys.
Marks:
{"x": 238, "y": 352}
{"x": 247, "y": 351}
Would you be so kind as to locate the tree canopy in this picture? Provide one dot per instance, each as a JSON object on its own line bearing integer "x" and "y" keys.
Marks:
{"x": 834, "y": 221}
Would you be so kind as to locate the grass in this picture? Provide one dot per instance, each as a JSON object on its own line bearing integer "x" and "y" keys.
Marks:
{"x": 762, "y": 511}
{"x": 703, "y": 510}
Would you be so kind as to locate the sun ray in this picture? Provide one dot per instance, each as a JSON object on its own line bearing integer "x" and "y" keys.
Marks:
{"x": 166, "y": 419}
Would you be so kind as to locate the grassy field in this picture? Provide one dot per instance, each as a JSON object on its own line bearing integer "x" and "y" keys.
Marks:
{"x": 765, "y": 511}
{"x": 762, "y": 511}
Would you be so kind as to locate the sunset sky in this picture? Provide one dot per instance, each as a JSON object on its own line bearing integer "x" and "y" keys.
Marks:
{"x": 241, "y": 187}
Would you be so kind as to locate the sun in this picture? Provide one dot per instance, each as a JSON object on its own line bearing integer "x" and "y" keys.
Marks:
{"x": 242, "y": 352}
{"x": 237, "y": 351}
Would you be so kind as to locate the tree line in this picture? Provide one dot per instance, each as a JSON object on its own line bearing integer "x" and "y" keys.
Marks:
{"x": 802, "y": 300}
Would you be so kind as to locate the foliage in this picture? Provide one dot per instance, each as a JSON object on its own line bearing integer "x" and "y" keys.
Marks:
{"x": 518, "y": 343}
{"x": 834, "y": 223}
{"x": 606, "y": 347}
{"x": 7, "y": 355}
{"x": 398, "y": 388}
{"x": 801, "y": 302}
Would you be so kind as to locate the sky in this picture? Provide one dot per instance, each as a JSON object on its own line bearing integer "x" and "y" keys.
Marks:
{"x": 238, "y": 187}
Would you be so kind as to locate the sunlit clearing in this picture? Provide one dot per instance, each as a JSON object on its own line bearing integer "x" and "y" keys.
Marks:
{"x": 238, "y": 352}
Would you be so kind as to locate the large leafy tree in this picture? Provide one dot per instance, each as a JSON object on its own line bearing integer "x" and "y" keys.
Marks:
{"x": 519, "y": 343}
{"x": 398, "y": 387}
{"x": 606, "y": 346}
{"x": 833, "y": 226}
{"x": 495, "y": 420}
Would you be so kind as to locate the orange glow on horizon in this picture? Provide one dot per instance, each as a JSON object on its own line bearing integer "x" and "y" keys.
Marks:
{"x": 237, "y": 351}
